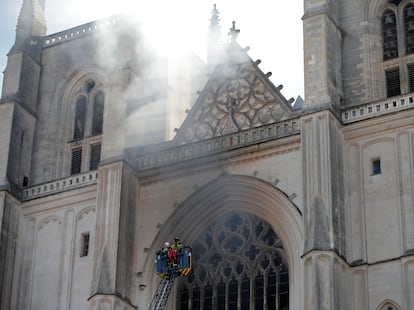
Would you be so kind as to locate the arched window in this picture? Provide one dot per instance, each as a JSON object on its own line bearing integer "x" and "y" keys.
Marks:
{"x": 87, "y": 128}
{"x": 98, "y": 109}
{"x": 409, "y": 28}
{"x": 80, "y": 114}
{"x": 389, "y": 35}
{"x": 239, "y": 260}
{"x": 398, "y": 42}
{"x": 388, "y": 305}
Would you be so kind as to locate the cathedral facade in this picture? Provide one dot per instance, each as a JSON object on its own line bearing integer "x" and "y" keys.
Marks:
{"x": 109, "y": 149}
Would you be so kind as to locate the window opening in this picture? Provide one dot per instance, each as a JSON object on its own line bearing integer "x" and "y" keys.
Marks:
{"x": 409, "y": 29}
{"x": 184, "y": 298}
{"x": 389, "y": 35}
{"x": 196, "y": 298}
{"x": 80, "y": 114}
{"x": 258, "y": 294}
{"x": 392, "y": 78}
{"x": 95, "y": 156}
{"x": 410, "y": 69}
{"x": 221, "y": 296}
{"x": 90, "y": 85}
{"x": 76, "y": 161}
{"x": 395, "y": 2}
{"x": 238, "y": 260}
{"x": 88, "y": 125}
{"x": 85, "y": 245}
{"x": 245, "y": 294}
{"x": 208, "y": 298}
{"x": 98, "y": 109}
{"x": 233, "y": 294}
{"x": 376, "y": 166}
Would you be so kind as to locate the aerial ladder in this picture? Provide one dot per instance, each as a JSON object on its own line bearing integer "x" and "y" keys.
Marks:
{"x": 172, "y": 261}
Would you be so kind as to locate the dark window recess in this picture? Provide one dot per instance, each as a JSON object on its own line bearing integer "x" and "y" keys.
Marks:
{"x": 25, "y": 182}
{"x": 79, "y": 130}
{"x": 196, "y": 298}
{"x": 85, "y": 245}
{"x": 233, "y": 293}
{"x": 90, "y": 85}
{"x": 98, "y": 110}
{"x": 208, "y": 298}
{"x": 376, "y": 166}
{"x": 395, "y": 2}
{"x": 221, "y": 295}
{"x": 76, "y": 161}
{"x": 392, "y": 78}
{"x": 259, "y": 287}
{"x": 184, "y": 299}
{"x": 245, "y": 294}
{"x": 389, "y": 35}
{"x": 95, "y": 156}
{"x": 409, "y": 29}
{"x": 284, "y": 287}
{"x": 410, "y": 69}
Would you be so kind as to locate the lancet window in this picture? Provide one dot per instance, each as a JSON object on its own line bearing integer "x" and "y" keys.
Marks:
{"x": 85, "y": 144}
{"x": 239, "y": 263}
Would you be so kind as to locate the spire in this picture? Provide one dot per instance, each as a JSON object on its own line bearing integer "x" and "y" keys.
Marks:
{"x": 31, "y": 22}
{"x": 215, "y": 20}
{"x": 214, "y": 36}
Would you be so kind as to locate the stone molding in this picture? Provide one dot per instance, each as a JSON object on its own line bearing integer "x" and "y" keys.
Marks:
{"x": 377, "y": 108}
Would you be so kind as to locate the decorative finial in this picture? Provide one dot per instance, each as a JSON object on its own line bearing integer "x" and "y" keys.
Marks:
{"x": 233, "y": 32}
{"x": 215, "y": 20}
{"x": 214, "y": 37}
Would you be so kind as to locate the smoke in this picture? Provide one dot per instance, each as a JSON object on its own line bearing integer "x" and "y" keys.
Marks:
{"x": 175, "y": 28}
{"x": 273, "y": 30}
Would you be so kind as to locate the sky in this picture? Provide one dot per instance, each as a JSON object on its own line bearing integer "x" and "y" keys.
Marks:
{"x": 271, "y": 28}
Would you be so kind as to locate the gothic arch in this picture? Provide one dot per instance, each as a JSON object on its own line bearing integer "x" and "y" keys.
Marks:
{"x": 235, "y": 193}
{"x": 63, "y": 98}
{"x": 388, "y": 305}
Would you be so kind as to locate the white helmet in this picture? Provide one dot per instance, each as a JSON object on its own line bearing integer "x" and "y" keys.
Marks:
{"x": 167, "y": 243}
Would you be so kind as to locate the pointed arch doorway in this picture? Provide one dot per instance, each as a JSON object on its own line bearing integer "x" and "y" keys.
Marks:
{"x": 247, "y": 239}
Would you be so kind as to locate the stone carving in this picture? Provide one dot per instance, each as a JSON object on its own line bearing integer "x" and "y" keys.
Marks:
{"x": 236, "y": 99}
{"x": 233, "y": 242}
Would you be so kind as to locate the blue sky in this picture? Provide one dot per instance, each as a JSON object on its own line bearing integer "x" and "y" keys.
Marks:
{"x": 272, "y": 29}
{"x": 9, "y": 11}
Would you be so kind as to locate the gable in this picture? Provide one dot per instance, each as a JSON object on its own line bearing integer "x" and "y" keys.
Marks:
{"x": 237, "y": 97}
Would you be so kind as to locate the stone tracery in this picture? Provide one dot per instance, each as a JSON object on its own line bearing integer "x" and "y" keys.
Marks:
{"x": 233, "y": 256}
{"x": 237, "y": 100}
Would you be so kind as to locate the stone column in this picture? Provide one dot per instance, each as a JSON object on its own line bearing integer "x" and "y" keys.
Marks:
{"x": 322, "y": 145}
{"x": 114, "y": 243}
{"x": 326, "y": 285}
{"x": 10, "y": 218}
